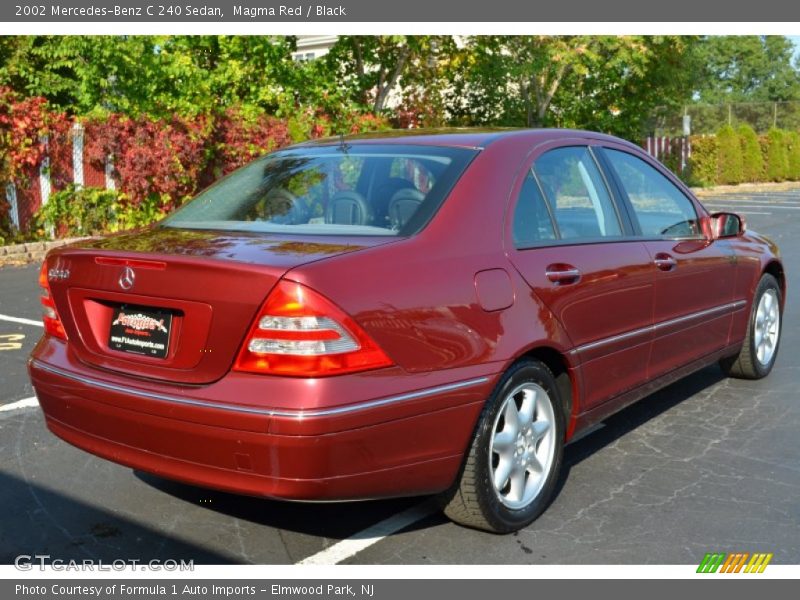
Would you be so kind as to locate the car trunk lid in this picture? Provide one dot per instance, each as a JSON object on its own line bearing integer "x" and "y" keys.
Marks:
{"x": 193, "y": 292}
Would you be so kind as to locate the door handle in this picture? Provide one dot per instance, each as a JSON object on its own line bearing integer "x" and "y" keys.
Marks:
{"x": 665, "y": 262}
{"x": 562, "y": 274}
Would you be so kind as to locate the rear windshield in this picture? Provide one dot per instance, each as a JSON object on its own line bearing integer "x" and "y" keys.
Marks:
{"x": 346, "y": 189}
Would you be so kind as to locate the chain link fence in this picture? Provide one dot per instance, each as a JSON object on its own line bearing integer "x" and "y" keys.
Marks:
{"x": 708, "y": 118}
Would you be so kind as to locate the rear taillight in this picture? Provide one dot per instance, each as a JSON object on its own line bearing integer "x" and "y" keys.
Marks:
{"x": 52, "y": 322}
{"x": 300, "y": 333}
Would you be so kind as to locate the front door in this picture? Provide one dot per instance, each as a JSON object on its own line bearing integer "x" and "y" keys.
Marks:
{"x": 694, "y": 276}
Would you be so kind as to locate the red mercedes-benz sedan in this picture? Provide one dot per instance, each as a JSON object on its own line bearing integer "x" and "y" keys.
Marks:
{"x": 399, "y": 314}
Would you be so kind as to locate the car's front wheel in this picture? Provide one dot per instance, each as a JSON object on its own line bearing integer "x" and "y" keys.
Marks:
{"x": 760, "y": 349}
{"x": 513, "y": 462}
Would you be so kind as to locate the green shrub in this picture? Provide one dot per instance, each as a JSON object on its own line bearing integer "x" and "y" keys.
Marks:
{"x": 752, "y": 160}
{"x": 776, "y": 158}
{"x": 79, "y": 211}
{"x": 730, "y": 168}
{"x": 6, "y": 227}
{"x": 703, "y": 161}
{"x": 793, "y": 150}
{"x": 76, "y": 211}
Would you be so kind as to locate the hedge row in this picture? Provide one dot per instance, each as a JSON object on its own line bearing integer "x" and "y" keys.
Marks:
{"x": 736, "y": 156}
{"x": 157, "y": 162}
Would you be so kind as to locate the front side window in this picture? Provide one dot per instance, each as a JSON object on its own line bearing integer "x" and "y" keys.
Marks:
{"x": 661, "y": 209}
{"x": 577, "y": 194}
{"x": 346, "y": 189}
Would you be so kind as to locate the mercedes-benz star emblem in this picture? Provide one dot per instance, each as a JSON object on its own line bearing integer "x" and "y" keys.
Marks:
{"x": 127, "y": 278}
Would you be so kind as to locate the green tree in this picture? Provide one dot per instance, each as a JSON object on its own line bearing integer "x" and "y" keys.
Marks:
{"x": 80, "y": 74}
{"x": 209, "y": 72}
{"x": 777, "y": 159}
{"x": 703, "y": 163}
{"x": 752, "y": 159}
{"x": 480, "y": 90}
{"x": 631, "y": 79}
{"x": 160, "y": 75}
{"x": 792, "y": 139}
{"x": 515, "y": 79}
{"x": 729, "y": 157}
{"x": 372, "y": 67}
{"x": 747, "y": 68}
{"x": 610, "y": 83}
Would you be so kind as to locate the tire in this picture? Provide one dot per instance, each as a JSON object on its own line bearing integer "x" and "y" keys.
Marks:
{"x": 532, "y": 458}
{"x": 760, "y": 348}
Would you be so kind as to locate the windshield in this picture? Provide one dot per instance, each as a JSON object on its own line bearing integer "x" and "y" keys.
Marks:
{"x": 330, "y": 190}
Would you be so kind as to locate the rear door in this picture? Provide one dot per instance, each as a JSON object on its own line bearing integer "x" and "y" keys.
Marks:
{"x": 694, "y": 276}
{"x": 572, "y": 245}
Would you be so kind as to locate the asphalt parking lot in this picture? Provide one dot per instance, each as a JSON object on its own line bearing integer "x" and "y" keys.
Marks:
{"x": 707, "y": 464}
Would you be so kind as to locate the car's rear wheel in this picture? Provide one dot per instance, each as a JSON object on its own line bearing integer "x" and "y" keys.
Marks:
{"x": 760, "y": 349}
{"x": 512, "y": 465}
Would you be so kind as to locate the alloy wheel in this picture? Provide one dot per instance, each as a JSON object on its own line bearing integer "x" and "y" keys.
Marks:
{"x": 522, "y": 449}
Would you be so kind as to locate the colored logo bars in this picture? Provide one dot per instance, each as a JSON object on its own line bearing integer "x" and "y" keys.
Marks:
{"x": 735, "y": 562}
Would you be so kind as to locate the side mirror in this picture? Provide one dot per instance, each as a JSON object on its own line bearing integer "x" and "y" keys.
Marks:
{"x": 727, "y": 225}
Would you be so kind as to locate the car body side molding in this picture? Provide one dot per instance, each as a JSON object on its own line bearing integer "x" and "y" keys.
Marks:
{"x": 722, "y": 309}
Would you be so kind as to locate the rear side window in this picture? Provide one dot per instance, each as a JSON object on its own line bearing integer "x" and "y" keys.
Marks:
{"x": 532, "y": 222}
{"x": 413, "y": 173}
{"x": 344, "y": 189}
{"x": 577, "y": 194}
{"x": 661, "y": 209}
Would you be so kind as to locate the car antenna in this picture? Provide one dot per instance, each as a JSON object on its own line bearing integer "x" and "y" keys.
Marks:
{"x": 343, "y": 146}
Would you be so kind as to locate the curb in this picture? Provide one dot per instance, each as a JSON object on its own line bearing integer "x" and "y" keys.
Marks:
{"x": 22, "y": 254}
{"x": 722, "y": 190}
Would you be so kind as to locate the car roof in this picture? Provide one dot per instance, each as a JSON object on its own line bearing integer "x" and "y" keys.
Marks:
{"x": 462, "y": 137}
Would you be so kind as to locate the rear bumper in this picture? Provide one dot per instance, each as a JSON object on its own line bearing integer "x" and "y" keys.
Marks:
{"x": 410, "y": 441}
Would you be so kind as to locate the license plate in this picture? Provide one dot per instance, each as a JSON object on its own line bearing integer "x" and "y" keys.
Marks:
{"x": 140, "y": 330}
